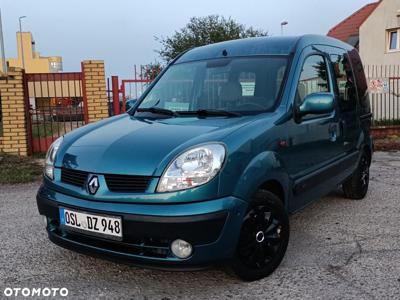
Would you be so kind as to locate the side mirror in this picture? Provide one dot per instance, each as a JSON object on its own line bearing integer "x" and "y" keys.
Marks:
{"x": 129, "y": 104}
{"x": 316, "y": 104}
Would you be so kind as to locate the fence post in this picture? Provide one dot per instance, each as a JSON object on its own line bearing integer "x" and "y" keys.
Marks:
{"x": 123, "y": 96}
{"x": 94, "y": 90}
{"x": 115, "y": 93}
{"x": 28, "y": 117}
{"x": 13, "y": 102}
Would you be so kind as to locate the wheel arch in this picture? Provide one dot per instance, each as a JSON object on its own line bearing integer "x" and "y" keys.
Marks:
{"x": 275, "y": 187}
{"x": 265, "y": 171}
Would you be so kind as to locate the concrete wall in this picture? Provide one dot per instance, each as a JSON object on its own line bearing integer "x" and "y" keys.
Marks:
{"x": 373, "y": 35}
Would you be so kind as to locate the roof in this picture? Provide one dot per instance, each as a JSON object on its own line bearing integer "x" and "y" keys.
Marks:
{"x": 242, "y": 47}
{"x": 348, "y": 29}
{"x": 257, "y": 46}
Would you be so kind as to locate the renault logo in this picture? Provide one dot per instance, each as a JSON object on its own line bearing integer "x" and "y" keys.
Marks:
{"x": 93, "y": 185}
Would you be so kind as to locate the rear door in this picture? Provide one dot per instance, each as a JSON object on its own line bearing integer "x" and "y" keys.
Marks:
{"x": 347, "y": 100}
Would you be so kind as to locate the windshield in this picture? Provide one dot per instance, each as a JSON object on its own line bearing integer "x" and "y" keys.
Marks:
{"x": 228, "y": 84}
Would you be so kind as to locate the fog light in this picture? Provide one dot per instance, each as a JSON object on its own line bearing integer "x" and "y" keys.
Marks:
{"x": 49, "y": 171}
{"x": 181, "y": 248}
{"x": 45, "y": 220}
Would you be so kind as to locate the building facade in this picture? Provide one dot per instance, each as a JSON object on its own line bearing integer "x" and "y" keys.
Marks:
{"x": 375, "y": 31}
{"x": 31, "y": 60}
{"x": 380, "y": 35}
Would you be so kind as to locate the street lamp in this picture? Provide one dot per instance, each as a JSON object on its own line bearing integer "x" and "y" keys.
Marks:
{"x": 3, "y": 54}
{"x": 284, "y": 23}
{"x": 20, "y": 37}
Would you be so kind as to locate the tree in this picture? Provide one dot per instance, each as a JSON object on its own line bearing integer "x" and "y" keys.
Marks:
{"x": 202, "y": 31}
{"x": 151, "y": 70}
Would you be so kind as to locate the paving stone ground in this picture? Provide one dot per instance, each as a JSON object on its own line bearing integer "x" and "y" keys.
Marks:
{"x": 339, "y": 249}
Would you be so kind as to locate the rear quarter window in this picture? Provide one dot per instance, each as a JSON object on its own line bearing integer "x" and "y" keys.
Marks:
{"x": 361, "y": 82}
{"x": 343, "y": 73}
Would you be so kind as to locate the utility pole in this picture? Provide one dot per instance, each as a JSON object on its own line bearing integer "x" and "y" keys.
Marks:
{"x": 284, "y": 23}
{"x": 3, "y": 54}
{"x": 20, "y": 38}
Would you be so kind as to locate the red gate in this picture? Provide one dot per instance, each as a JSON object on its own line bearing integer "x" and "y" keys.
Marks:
{"x": 118, "y": 95}
{"x": 139, "y": 86}
{"x": 56, "y": 106}
{"x": 129, "y": 89}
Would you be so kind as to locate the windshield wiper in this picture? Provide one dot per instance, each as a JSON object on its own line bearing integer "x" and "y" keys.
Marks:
{"x": 158, "y": 110}
{"x": 212, "y": 112}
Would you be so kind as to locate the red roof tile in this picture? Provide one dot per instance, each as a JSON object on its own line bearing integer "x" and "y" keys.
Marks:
{"x": 350, "y": 26}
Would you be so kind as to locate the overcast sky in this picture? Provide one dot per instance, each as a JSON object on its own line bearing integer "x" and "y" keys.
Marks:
{"x": 122, "y": 32}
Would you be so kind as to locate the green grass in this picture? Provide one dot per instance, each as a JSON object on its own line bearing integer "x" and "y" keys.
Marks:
{"x": 17, "y": 169}
{"x": 45, "y": 129}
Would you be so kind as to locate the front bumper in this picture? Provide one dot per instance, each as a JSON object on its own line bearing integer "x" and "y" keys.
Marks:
{"x": 212, "y": 227}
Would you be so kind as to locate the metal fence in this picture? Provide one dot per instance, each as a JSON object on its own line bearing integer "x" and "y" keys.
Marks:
{"x": 128, "y": 90}
{"x": 55, "y": 102}
{"x": 384, "y": 89}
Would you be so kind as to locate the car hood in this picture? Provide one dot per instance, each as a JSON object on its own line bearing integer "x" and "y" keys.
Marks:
{"x": 133, "y": 146}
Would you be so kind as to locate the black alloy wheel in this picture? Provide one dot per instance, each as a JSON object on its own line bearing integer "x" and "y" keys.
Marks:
{"x": 356, "y": 186}
{"x": 263, "y": 239}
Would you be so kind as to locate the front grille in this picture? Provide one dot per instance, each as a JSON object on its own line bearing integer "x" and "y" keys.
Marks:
{"x": 127, "y": 183}
{"x": 74, "y": 177}
{"x": 115, "y": 183}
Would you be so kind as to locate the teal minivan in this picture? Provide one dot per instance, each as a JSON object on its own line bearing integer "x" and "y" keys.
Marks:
{"x": 207, "y": 165}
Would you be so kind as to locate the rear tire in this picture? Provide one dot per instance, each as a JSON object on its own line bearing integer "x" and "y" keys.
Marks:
{"x": 356, "y": 186}
{"x": 263, "y": 238}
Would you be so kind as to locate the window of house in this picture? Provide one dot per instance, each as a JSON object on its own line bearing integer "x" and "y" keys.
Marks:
{"x": 55, "y": 66}
{"x": 313, "y": 78}
{"x": 393, "y": 40}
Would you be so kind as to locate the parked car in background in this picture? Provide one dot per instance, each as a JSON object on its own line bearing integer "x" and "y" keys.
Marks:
{"x": 209, "y": 163}
{"x": 68, "y": 113}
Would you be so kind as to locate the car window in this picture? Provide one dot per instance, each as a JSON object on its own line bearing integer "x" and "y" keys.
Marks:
{"x": 238, "y": 84}
{"x": 361, "y": 82}
{"x": 175, "y": 90}
{"x": 347, "y": 95}
{"x": 313, "y": 78}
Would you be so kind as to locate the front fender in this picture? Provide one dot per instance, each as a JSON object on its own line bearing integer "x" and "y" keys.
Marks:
{"x": 264, "y": 167}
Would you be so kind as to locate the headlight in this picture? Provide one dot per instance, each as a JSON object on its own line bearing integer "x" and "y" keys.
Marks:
{"x": 192, "y": 168}
{"x": 50, "y": 158}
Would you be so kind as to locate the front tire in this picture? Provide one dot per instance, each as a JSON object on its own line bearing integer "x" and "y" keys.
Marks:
{"x": 263, "y": 238}
{"x": 356, "y": 186}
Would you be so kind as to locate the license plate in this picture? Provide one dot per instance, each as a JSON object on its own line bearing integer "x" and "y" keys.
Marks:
{"x": 93, "y": 224}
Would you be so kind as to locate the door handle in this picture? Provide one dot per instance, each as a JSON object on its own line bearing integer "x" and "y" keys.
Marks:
{"x": 333, "y": 132}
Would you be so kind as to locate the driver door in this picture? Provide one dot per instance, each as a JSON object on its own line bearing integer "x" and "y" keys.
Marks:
{"x": 313, "y": 140}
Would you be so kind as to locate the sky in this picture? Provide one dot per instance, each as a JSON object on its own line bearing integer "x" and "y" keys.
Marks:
{"x": 122, "y": 32}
